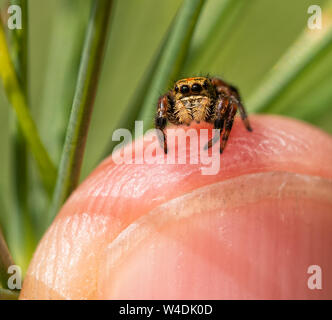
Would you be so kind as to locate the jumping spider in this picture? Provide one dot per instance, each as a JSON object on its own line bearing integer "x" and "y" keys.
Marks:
{"x": 201, "y": 99}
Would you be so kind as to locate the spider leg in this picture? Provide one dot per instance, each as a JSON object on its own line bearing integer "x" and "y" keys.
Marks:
{"x": 242, "y": 110}
{"x": 228, "y": 125}
{"x": 161, "y": 121}
{"x": 233, "y": 92}
{"x": 244, "y": 116}
{"x": 220, "y": 114}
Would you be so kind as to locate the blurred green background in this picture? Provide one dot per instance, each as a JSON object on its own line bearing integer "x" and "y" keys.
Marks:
{"x": 261, "y": 34}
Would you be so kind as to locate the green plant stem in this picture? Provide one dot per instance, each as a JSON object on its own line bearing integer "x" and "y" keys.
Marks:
{"x": 5, "y": 261}
{"x": 72, "y": 155}
{"x": 207, "y": 49}
{"x": 307, "y": 49}
{"x": 61, "y": 72}
{"x": 173, "y": 56}
{"x": 19, "y": 54}
{"x": 318, "y": 95}
{"x": 18, "y": 101}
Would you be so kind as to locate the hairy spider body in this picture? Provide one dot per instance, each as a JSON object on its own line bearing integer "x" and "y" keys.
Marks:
{"x": 201, "y": 99}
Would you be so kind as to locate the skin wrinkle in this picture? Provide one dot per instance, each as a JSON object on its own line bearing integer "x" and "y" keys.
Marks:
{"x": 179, "y": 209}
{"x": 226, "y": 194}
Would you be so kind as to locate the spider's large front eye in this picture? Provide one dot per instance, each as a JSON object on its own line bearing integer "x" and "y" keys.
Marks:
{"x": 196, "y": 87}
{"x": 176, "y": 89}
{"x": 184, "y": 89}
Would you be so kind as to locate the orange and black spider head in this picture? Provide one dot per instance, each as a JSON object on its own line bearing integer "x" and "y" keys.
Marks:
{"x": 201, "y": 86}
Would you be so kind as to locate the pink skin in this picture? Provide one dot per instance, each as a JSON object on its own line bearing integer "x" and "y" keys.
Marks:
{"x": 149, "y": 231}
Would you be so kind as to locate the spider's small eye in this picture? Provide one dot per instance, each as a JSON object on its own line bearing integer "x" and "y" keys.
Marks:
{"x": 176, "y": 89}
{"x": 205, "y": 84}
{"x": 184, "y": 89}
{"x": 196, "y": 87}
